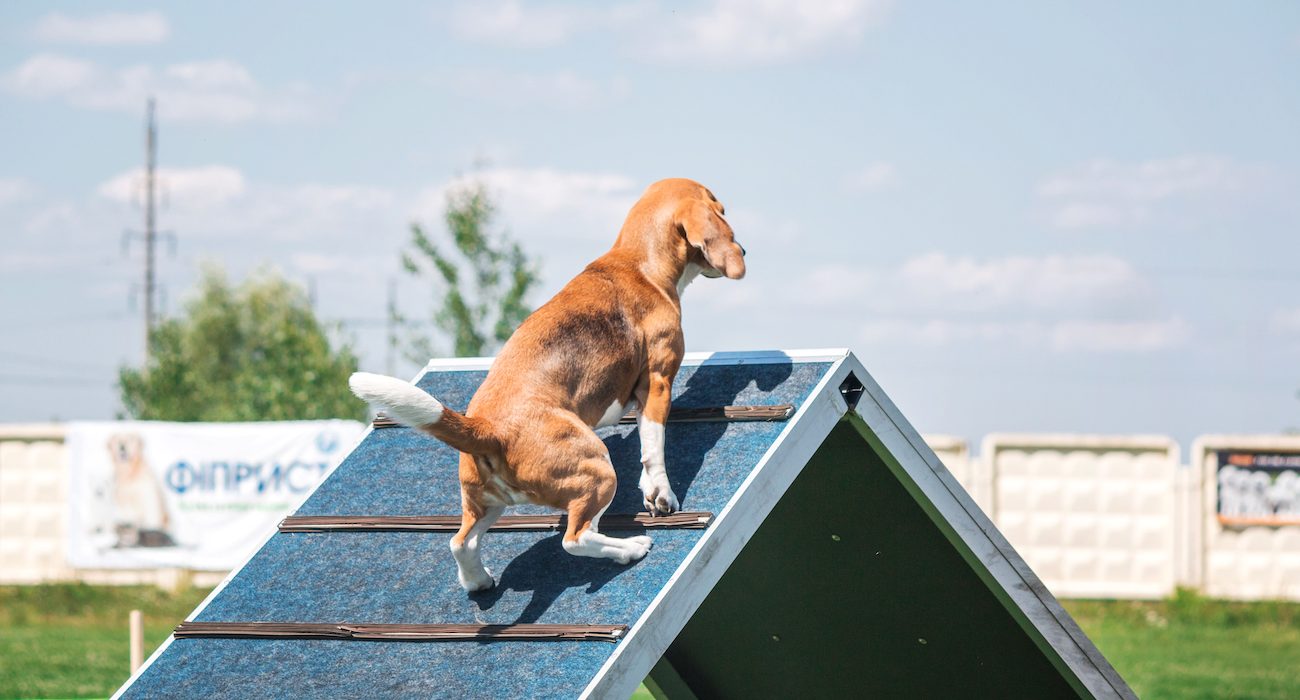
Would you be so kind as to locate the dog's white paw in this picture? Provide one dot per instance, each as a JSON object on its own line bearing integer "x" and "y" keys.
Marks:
{"x": 634, "y": 549}
{"x": 657, "y": 496}
{"x": 660, "y": 501}
{"x": 476, "y": 581}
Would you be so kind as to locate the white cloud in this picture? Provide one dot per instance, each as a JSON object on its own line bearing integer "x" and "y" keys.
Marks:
{"x": 1044, "y": 303}
{"x": 360, "y": 197}
{"x": 108, "y": 29}
{"x": 355, "y": 216}
{"x": 937, "y": 282}
{"x": 1067, "y": 336}
{"x": 54, "y": 218}
{"x": 944, "y": 332}
{"x": 201, "y": 187}
{"x": 1104, "y": 192}
{"x": 560, "y": 88}
{"x": 874, "y": 176}
{"x": 48, "y": 75}
{"x": 13, "y": 190}
{"x": 211, "y": 74}
{"x": 318, "y": 263}
{"x": 218, "y": 202}
{"x": 211, "y": 91}
{"x": 540, "y": 206}
{"x": 513, "y": 23}
{"x": 725, "y": 33}
{"x": 593, "y": 204}
{"x": 1120, "y": 336}
{"x": 1052, "y": 281}
{"x": 30, "y": 262}
{"x": 837, "y": 283}
{"x": 1285, "y": 321}
{"x": 744, "y": 32}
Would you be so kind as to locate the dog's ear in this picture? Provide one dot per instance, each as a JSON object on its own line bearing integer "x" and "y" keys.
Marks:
{"x": 706, "y": 230}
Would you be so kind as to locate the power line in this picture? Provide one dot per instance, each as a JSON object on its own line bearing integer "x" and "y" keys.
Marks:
{"x": 46, "y": 380}
{"x": 150, "y": 158}
{"x": 1236, "y": 275}
{"x": 390, "y": 329}
{"x": 66, "y": 320}
{"x": 45, "y": 361}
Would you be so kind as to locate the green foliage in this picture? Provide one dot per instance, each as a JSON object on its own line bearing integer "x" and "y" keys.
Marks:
{"x": 249, "y": 353}
{"x": 481, "y": 285}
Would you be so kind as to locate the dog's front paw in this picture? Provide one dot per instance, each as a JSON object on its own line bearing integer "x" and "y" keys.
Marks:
{"x": 657, "y": 496}
{"x": 634, "y": 549}
{"x": 661, "y": 501}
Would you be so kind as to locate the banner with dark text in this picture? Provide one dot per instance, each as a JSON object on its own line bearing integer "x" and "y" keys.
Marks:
{"x": 190, "y": 495}
{"x": 1258, "y": 488}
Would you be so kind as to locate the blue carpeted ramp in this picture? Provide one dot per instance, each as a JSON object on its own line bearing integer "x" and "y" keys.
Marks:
{"x": 837, "y": 541}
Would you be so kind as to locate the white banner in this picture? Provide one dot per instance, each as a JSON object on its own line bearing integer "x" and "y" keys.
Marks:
{"x": 190, "y": 495}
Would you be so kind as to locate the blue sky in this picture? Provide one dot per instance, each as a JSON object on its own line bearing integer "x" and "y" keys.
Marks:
{"x": 1079, "y": 217}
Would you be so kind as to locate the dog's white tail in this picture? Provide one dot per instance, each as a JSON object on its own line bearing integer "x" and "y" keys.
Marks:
{"x": 403, "y": 402}
{"x": 409, "y": 405}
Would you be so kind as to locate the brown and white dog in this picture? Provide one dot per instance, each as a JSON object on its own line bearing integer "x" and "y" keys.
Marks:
{"x": 610, "y": 340}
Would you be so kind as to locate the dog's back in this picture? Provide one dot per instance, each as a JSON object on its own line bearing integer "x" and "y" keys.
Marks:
{"x": 550, "y": 359}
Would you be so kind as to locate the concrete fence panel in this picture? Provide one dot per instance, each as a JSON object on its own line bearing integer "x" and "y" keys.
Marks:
{"x": 1093, "y": 515}
{"x": 1249, "y": 516}
{"x": 971, "y": 472}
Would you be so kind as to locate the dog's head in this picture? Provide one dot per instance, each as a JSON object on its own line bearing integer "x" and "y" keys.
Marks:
{"x": 692, "y": 219}
{"x": 711, "y": 244}
{"x": 127, "y": 453}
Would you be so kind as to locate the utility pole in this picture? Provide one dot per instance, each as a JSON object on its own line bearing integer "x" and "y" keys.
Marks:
{"x": 150, "y": 234}
{"x": 390, "y": 363}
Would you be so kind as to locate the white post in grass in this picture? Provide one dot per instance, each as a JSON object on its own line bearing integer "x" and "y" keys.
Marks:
{"x": 137, "y": 640}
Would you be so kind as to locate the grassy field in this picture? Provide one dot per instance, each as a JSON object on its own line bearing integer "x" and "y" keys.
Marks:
{"x": 1192, "y": 647}
{"x": 70, "y": 641}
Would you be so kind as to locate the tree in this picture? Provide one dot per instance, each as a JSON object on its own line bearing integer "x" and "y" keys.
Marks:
{"x": 482, "y": 289}
{"x": 255, "y": 352}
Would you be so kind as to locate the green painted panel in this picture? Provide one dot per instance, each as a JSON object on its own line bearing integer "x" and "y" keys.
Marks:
{"x": 849, "y": 589}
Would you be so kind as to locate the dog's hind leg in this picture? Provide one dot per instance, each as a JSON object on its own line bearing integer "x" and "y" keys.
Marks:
{"x": 582, "y": 537}
{"x": 474, "y": 521}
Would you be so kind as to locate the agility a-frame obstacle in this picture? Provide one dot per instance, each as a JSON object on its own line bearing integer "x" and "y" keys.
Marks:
{"x": 825, "y": 554}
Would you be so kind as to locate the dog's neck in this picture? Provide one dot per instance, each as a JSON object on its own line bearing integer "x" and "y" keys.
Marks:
{"x": 689, "y": 274}
{"x": 660, "y": 253}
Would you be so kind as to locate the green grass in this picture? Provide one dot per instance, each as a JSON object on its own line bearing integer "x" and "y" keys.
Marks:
{"x": 71, "y": 640}
{"x": 1193, "y": 647}
{"x": 66, "y": 641}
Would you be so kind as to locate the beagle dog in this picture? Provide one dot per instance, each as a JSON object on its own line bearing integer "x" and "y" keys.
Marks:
{"x": 609, "y": 341}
